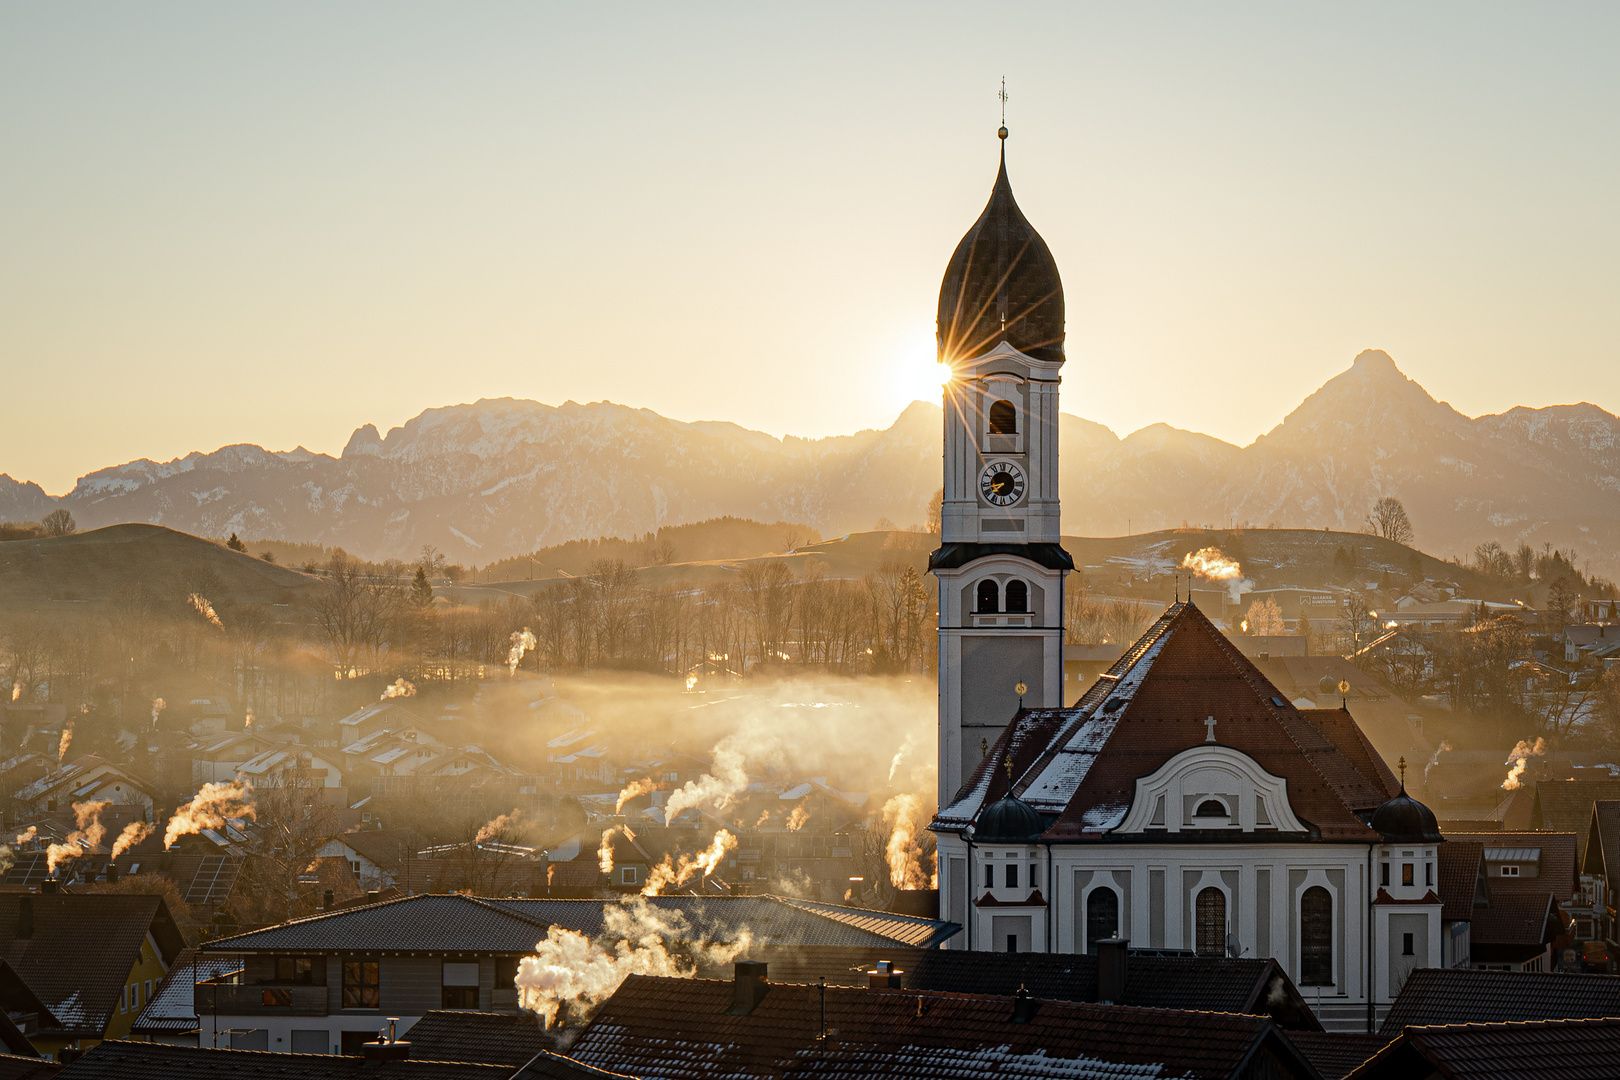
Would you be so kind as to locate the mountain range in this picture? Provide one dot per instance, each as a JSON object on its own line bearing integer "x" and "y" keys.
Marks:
{"x": 501, "y": 477}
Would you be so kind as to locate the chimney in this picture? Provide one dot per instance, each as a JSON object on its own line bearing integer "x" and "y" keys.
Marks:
{"x": 1112, "y": 965}
{"x": 326, "y": 899}
{"x": 112, "y": 871}
{"x": 47, "y": 887}
{"x": 25, "y": 916}
{"x": 748, "y": 986}
{"x": 885, "y": 977}
{"x": 386, "y": 1048}
{"x": 1024, "y": 1006}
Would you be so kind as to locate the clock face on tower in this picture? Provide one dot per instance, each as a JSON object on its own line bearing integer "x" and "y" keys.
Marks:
{"x": 1002, "y": 483}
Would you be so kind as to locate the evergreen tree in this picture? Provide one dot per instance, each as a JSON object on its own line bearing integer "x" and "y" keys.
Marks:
{"x": 235, "y": 543}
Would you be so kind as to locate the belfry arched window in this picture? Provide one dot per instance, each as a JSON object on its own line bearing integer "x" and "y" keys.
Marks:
{"x": 1003, "y": 418}
{"x": 1102, "y": 917}
{"x": 1316, "y": 937}
{"x": 1017, "y": 596}
{"x": 989, "y": 596}
{"x": 1210, "y": 915}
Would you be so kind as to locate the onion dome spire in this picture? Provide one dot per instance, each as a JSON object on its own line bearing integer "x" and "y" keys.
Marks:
{"x": 1001, "y": 284}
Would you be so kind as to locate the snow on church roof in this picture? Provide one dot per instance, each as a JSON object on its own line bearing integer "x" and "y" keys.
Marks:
{"x": 1080, "y": 765}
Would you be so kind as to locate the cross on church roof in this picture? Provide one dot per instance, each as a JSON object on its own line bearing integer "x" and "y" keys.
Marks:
{"x": 1210, "y": 724}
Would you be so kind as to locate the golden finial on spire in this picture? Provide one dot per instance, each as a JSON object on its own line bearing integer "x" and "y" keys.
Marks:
{"x": 1001, "y": 132}
{"x": 1401, "y": 765}
{"x": 1008, "y": 764}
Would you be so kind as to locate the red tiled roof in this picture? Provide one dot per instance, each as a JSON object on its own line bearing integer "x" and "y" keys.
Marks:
{"x": 1514, "y": 919}
{"x": 1181, "y": 671}
{"x": 1603, "y": 841}
{"x": 681, "y": 1028}
{"x": 1556, "y": 869}
{"x": 1566, "y": 805}
{"x": 1461, "y": 864}
{"x": 1336, "y": 1053}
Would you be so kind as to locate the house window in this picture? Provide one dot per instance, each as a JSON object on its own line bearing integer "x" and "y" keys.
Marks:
{"x": 627, "y": 875}
{"x": 1012, "y": 875}
{"x": 1406, "y": 873}
{"x": 299, "y": 970}
{"x": 1211, "y": 922}
{"x": 1102, "y": 916}
{"x": 360, "y": 984}
{"x": 1003, "y": 418}
{"x": 1316, "y": 937}
{"x": 1428, "y": 873}
{"x": 506, "y": 969}
{"x": 460, "y": 986}
{"x": 1017, "y": 596}
{"x": 1012, "y": 942}
{"x": 1510, "y": 871}
{"x": 989, "y": 876}
{"x": 1383, "y": 874}
{"x": 1406, "y": 945}
{"x": 988, "y": 597}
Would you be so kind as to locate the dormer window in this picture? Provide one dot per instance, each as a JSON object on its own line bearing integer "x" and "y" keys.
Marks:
{"x": 1003, "y": 418}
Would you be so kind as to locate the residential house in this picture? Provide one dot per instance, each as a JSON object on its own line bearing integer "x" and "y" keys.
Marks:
{"x": 1593, "y": 647}
{"x": 342, "y": 974}
{"x": 1463, "y": 996}
{"x": 1600, "y": 874}
{"x": 1528, "y": 876}
{"x": 1463, "y": 888}
{"x": 205, "y": 716}
{"x": 375, "y": 856}
{"x": 378, "y": 716}
{"x": 88, "y": 778}
{"x": 90, "y": 961}
{"x": 293, "y": 764}
{"x": 1566, "y": 806}
{"x": 170, "y": 1015}
{"x": 218, "y": 759}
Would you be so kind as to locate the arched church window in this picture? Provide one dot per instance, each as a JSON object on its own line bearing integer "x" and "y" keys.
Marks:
{"x": 1316, "y": 937}
{"x": 989, "y": 597}
{"x": 1017, "y": 596}
{"x": 1102, "y": 917}
{"x": 1003, "y": 418}
{"x": 1210, "y": 808}
{"x": 1210, "y": 915}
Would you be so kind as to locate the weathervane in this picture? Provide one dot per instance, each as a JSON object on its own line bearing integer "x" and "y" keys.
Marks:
{"x": 1401, "y": 765}
{"x": 1021, "y": 690}
{"x": 1002, "y": 131}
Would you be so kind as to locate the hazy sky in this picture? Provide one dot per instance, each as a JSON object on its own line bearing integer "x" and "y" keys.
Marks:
{"x": 273, "y": 223}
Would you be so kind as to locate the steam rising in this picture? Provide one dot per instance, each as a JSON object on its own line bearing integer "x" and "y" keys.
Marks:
{"x": 671, "y": 873}
{"x": 1519, "y": 757}
{"x": 1435, "y": 759}
{"x": 158, "y": 705}
{"x": 205, "y": 609}
{"x": 67, "y": 741}
{"x": 1209, "y": 563}
{"x": 522, "y": 641}
{"x": 633, "y": 789}
{"x": 491, "y": 829}
{"x": 604, "y": 853}
{"x": 900, "y": 753}
{"x": 209, "y": 809}
{"x": 569, "y": 971}
{"x": 717, "y": 788}
{"x": 902, "y": 852}
{"x": 133, "y": 833}
{"x": 87, "y": 815}
{"x": 398, "y": 688}
{"x": 796, "y": 820}
{"x": 27, "y": 834}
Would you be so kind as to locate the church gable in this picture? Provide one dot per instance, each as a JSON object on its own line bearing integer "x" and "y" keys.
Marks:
{"x": 1210, "y": 787}
{"x": 1083, "y": 765}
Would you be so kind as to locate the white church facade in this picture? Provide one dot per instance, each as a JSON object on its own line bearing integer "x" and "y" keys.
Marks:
{"x": 1182, "y": 802}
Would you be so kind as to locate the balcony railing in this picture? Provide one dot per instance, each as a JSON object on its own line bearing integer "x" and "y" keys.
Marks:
{"x": 259, "y": 1000}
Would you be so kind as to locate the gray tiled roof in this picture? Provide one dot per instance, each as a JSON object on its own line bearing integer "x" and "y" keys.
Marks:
{"x": 438, "y": 923}
{"x": 173, "y": 1008}
{"x": 1463, "y": 996}
{"x": 496, "y": 1038}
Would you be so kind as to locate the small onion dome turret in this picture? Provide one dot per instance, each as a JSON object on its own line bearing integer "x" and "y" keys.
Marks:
{"x": 1009, "y": 820}
{"x": 1404, "y": 820}
{"x": 1001, "y": 284}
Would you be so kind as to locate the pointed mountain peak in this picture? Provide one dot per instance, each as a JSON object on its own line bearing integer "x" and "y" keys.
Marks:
{"x": 1376, "y": 361}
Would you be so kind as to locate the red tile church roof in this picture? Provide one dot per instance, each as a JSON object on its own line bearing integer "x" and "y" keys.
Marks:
{"x": 1081, "y": 764}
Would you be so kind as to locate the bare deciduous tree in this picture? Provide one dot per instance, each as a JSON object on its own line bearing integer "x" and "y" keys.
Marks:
{"x": 1388, "y": 519}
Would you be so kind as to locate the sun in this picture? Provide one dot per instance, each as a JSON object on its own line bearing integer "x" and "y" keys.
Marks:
{"x": 914, "y": 374}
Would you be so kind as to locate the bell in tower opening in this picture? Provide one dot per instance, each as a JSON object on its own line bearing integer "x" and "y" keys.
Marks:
{"x": 1001, "y": 562}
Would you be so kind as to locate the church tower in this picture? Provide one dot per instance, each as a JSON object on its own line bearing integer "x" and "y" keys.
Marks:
{"x": 1001, "y": 562}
